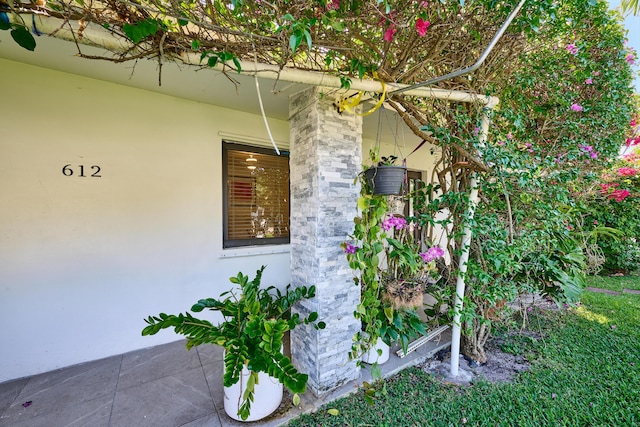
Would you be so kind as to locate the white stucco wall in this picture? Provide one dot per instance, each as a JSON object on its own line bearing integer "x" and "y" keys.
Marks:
{"x": 84, "y": 260}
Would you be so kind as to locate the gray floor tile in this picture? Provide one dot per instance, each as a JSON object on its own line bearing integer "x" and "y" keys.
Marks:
{"x": 170, "y": 401}
{"x": 211, "y": 420}
{"x": 210, "y": 353}
{"x": 68, "y": 387}
{"x": 91, "y": 413}
{"x": 157, "y": 362}
{"x": 9, "y": 391}
{"x": 213, "y": 373}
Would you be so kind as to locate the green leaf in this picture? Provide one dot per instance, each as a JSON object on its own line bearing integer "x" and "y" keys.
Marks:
{"x": 139, "y": 31}
{"x": 23, "y": 37}
{"x": 296, "y": 399}
{"x": 294, "y": 41}
{"x": 307, "y": 35}
{"x": 5, "y": 25}
{"x": 195, "y": 45}
{"x": 362, "y": 309}
{"x": 237, "y": 64}
{"x": 333, "y": 412}
{"x": 338, "y": 25}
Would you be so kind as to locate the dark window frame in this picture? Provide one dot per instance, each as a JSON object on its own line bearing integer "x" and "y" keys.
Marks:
{"x": 228, "y": 243}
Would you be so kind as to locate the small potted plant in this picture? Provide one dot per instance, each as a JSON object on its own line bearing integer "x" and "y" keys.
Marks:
{"x": 385, "y": 177}
{"x": 251, "y": 334}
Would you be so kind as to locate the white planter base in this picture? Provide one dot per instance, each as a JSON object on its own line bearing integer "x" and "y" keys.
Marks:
{"x": 267, "y": 397}
{"x": 372, "y": 355}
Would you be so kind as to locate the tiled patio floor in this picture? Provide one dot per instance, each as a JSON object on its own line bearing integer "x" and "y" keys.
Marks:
{"x": 160, "y": 386}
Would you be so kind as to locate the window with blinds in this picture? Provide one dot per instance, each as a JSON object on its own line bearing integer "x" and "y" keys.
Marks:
{"x": 256, "y": 196}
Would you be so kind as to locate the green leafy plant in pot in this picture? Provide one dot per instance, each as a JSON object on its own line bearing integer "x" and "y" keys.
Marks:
{"x": 384, "y": 177}
{"x": 255, "y": 322}
{"x": 389, "y": 267}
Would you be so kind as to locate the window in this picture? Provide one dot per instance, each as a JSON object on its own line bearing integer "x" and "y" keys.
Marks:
{"x": 256, "y": 196}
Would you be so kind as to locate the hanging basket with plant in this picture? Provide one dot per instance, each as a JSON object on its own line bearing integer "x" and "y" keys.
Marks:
{"x": 386, "y": 178}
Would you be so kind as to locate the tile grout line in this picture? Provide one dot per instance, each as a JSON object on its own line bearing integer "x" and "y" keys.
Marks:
{"x": 215, "y": 408}
{"x": 115, "y": 391}
{"x": 15, "y": 398}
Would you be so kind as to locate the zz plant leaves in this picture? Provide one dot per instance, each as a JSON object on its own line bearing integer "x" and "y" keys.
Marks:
{"x": 255, "y": 321}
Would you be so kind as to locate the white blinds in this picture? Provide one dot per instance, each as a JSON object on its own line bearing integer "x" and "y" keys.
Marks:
{"x": 257, "y": 195}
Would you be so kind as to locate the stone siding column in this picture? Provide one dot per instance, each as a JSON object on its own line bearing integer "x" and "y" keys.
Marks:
{"x": 326, "y": 156}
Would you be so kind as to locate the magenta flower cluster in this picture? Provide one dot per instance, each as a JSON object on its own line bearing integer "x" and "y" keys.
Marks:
{"x": 630, "y": 58}
{"x": 432, "y": 254}
{"x": 394, "y": 222}
{"x": 589, "y": 150}
{"x": 350, "y": 249}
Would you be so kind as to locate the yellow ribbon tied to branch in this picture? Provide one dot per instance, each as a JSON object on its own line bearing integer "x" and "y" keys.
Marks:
{"x": 348, "y": 104}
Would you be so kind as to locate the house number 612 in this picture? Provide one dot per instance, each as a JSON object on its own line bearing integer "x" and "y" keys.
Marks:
{"x": 67, "y": 170}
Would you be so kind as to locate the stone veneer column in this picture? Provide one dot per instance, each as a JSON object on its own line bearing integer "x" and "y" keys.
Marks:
{"x": 326, "y": 156}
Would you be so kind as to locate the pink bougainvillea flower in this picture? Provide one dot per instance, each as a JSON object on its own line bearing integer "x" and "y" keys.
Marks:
{"x": 500, "y": 142}
{"x": 572, "y": 48}
{"x": 626, "y": 171}
{"x": 388, "y": 35}
{"x": 333, "y": 4}
{"x": 619, "y": 195}
{"x": 586, "y": 148}
{"x": 509, "y": 136}
{"x": 630, "y": 58}
{"x": 589, "y": 81}
{"x": 576, "y": 107}
{"x": 421, "y": 26}
{"x": 432, "y": 254}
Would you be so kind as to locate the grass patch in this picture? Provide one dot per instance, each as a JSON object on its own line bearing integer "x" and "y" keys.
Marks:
{"x": 585, "y": 372}
{"x": 615, "y": 283}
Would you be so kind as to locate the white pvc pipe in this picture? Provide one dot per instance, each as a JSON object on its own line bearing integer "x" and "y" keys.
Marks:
{"x": 94, "y": 35}
{"x": 464, "y": 256}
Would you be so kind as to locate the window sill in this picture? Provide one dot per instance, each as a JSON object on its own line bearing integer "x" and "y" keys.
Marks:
{"x": 254, "y": 250}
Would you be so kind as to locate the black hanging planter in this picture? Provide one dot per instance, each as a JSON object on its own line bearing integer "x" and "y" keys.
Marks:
{"x": 386, "y": 179}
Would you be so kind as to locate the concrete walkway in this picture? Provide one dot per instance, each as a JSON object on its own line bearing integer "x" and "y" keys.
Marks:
{"x": 163, "y": 386}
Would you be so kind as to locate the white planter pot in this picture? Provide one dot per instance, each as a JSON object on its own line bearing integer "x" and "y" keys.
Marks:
{"x": 372, "y": 355}
{"x": 267, "y": 396}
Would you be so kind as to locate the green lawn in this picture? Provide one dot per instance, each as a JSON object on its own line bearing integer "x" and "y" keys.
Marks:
{"x": 615, "y": 283}
{"x": 585, "y": 372}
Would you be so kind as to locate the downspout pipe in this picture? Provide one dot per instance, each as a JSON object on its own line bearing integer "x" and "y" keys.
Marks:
{"x": 472, "y": 68}
{"x": 464, "y": 256}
